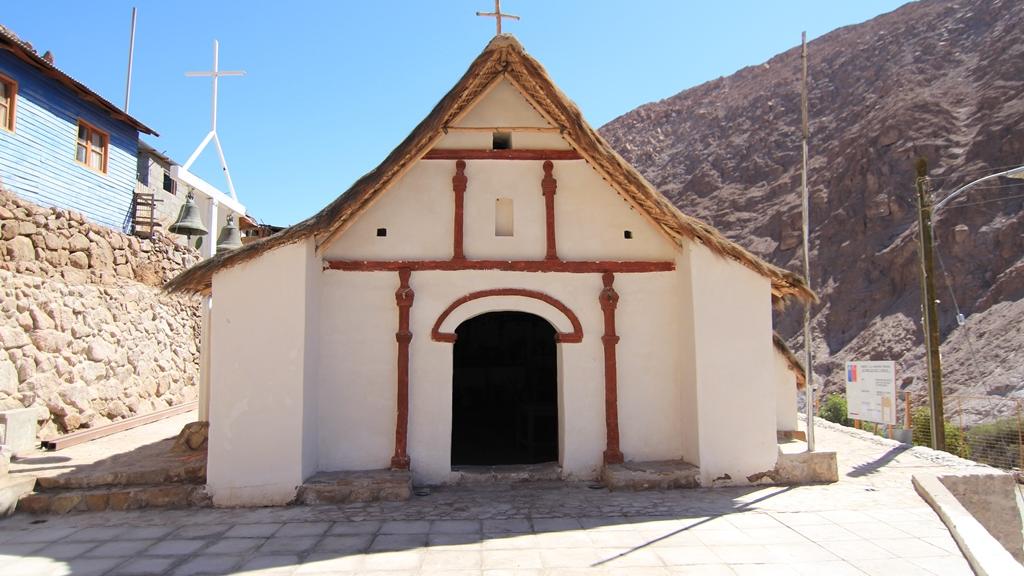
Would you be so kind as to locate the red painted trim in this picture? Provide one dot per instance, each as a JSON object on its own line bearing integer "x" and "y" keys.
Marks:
{"x": 548, "y": 185}
{"x": 567, "y": 337}
{"x": 459, "y": 182}
{"x": 403, "y": 298}
{"x": 462, "y": 154}
{"x": 609, "y": 300}
{"x": 501, "y": 265}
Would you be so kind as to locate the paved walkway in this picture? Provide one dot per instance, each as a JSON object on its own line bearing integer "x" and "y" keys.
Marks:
{"x": 871, "y": 522}
{"x": 142, "y": 447}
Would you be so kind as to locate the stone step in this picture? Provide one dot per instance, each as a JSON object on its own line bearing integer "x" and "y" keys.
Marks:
{"x": 659, "y": 475}
{"x": 190, "y": 473}
{"x": 508, "y": 474}
{"x": 356, "y": 486}
{"x": 13, "y": 488}
{"x": 114, "y": 498}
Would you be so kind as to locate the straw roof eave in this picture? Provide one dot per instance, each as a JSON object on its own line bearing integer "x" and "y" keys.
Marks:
{"x": 792, "y": 362}
{"x": 503, "y": 57}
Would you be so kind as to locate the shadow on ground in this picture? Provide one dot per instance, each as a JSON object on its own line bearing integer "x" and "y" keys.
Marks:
{"x": 877, "y": 464}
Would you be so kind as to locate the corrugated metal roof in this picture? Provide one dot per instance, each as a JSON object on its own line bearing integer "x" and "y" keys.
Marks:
{"x": 11, "y": 42}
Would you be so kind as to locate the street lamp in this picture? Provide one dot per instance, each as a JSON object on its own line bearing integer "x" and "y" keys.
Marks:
{"x": 926, "y": 252}
{"x": 1017, "y": 172}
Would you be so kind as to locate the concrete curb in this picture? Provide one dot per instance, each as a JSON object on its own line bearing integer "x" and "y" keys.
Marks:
{"x": 985, "y": 555}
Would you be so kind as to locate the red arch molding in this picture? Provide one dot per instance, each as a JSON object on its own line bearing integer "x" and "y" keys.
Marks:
{"x": 568, "y": 337}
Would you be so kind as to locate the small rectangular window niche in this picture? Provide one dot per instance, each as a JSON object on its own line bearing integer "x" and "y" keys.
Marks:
{"x": 627, "y": 234}
{"x": 501, "y": 141}
{"x": 382, "y": 232}
{"x": 503, "y": 217}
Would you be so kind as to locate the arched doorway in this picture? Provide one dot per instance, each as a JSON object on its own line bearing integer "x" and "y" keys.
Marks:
{"x": 505, "y": 391}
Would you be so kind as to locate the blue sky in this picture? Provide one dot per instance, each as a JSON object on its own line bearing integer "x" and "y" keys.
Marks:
{"x": 332, "y": 87}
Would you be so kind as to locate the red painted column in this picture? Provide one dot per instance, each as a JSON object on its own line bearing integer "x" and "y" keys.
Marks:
{"x": 609, "y": 299}
{"x": 459, "y": 187}
{"x": 548, "y": 185}
{"x": 403, "y": 297}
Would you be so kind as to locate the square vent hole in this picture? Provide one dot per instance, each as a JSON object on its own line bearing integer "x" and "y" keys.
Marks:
{"x": 627, "y": 234}
{"x": 501, "y": 141}
{"x": 382, "y": 232}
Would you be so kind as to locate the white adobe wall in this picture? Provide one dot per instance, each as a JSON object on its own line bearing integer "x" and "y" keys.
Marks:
{"x": 590, "y": 217}
{"x": 417, "y": 212}
{"x": 503, "y": 107}
{"x": 358, "y": 374}
{"x": 785, "y": 395}
{"x": 261, "y": 443}
{"x": 734, "y": 368}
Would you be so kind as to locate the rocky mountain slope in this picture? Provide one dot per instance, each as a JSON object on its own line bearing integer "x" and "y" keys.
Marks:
{"x": 941, "y": 79}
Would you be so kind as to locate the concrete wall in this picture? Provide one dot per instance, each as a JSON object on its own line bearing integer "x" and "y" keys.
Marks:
{"x": 260, "y": 447}
{"x": 993, "y": 499}
{"x": 731, "y": 315}
{"x": 785, "y": 394}
{"x": 37, "y": 159}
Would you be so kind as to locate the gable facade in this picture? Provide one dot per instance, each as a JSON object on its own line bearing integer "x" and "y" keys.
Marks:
{"x": 663, "y": 346}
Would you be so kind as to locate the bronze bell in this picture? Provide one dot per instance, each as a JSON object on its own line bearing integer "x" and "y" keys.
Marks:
{"x": 189, "y": 222}
{"x": 229, "y": 237}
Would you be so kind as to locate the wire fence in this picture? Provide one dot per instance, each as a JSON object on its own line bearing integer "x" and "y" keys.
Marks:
{"x": 986, "y": 429}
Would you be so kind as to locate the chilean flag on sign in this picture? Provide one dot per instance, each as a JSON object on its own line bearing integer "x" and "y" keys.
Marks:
{"x": 851, "y": 372}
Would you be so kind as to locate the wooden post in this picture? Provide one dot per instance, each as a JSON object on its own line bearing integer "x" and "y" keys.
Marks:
{"x": 928, "y": 308}
{"x": 459, "y": 182}
{"x": 403, "y": 298}
{"x": 907, "y": 422}
{"x": 548, "y": 184}
{"x": 609, "y": 299}
{"x": 1020, "y": 438}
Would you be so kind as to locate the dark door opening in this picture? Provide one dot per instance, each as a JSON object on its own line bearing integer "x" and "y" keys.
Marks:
{"x": 505, "y": 391}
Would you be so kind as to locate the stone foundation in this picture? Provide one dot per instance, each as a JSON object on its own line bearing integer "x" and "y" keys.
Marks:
{"x": 362, "y": 486}
{"x": 86, "y": 336}
{"x": 661, "y": 475}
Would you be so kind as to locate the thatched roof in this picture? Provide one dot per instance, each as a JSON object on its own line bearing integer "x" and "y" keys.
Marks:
{"x": 504, "y": 58}
{"x": 792, "y": 362}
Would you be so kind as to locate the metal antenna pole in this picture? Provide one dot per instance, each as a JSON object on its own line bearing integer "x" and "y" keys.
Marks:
{"x": 809, "y": 360}
{"x": 131, "y": 58}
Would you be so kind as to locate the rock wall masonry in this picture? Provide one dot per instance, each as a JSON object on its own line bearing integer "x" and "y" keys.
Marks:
{"x": 86, "y": 336}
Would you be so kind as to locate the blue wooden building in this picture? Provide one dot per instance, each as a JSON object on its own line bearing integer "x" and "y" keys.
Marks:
{"x": 61, "y": 144}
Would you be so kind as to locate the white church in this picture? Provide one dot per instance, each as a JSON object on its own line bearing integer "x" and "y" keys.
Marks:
{"x": 503, "y": 289}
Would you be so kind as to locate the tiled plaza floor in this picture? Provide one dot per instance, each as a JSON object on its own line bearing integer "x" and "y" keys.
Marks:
{"x": 871, "y": 522}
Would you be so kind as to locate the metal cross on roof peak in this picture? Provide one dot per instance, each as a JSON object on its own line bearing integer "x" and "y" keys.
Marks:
{"x": 497, "y": 15}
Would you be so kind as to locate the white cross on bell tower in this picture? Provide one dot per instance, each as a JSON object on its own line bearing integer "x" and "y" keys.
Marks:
{"x": 216, "y": 73}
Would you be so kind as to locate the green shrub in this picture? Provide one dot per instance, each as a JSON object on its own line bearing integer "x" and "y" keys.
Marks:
{"x": 834, "y": 409}
{"x": 996, "y": 443}
{"x": 955, "y": 441}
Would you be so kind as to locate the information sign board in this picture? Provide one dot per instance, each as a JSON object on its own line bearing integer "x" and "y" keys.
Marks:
{"x": 871, "y": 391}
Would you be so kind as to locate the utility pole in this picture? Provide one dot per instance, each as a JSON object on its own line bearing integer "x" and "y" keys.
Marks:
{"x": 805, "y": 232}
{"x": 930, "y": 322}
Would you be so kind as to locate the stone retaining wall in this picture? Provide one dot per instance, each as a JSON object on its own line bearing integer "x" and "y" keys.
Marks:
{"x": 86, "y": 336}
